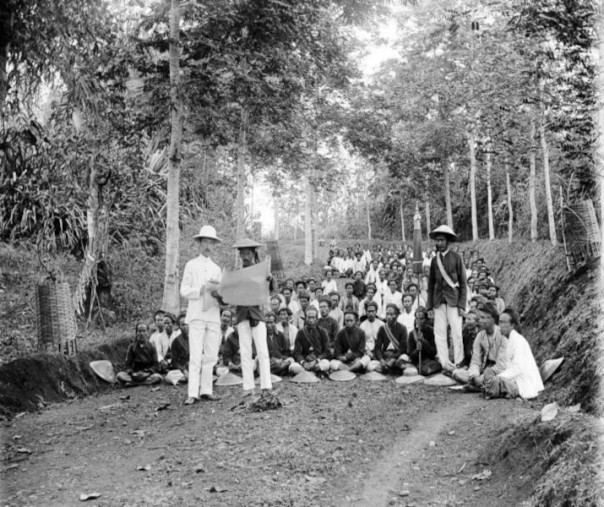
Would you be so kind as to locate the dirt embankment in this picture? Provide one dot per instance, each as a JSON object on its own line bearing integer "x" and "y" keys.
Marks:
{"x": 29, "y": 383}
{"x": 559, "y": 313}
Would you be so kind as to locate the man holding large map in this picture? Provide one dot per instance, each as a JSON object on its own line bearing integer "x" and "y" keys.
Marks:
{"x": 248, "y": 289}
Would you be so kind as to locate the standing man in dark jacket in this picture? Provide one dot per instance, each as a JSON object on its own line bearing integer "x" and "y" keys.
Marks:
{"x": 447, "y": 291}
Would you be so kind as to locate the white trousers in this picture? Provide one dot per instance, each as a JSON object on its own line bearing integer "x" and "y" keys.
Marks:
{"x": 448, "y": 315}
{"x": 204, "y": 343}
{"x": 258, "y": 334}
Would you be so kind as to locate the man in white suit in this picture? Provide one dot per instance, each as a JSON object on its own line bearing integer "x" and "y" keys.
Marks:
{"x": 199, "y": 286}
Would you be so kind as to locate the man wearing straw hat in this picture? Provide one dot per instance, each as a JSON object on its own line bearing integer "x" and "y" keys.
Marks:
{"x": 199, "y": 286}
{"x": 251, "y": 326}
{"x": 447, "y": 289}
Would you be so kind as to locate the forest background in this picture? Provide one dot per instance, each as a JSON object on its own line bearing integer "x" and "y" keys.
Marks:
{"x": 125, "y": 122}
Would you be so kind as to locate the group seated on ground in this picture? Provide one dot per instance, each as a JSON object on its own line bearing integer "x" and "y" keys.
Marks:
{"x": 373, "y": 320}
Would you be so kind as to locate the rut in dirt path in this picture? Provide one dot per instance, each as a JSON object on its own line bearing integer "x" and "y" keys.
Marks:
{"x": 384, "y": 478}
{"x": 413, "y": 472}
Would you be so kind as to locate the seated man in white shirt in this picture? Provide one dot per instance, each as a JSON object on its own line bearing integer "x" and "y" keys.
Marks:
{"x": 286, "y": 327}
{"x": 521, "y": 376}
{"x": 294, "y": 306}
{"x": 336, "y": 312}
{"x": 161, "y": 341}
{"x": 407, "y": 316}
{"x": 370, "y": 326}
{"x": 393, "y": 296}
{"x": 329, "y": 284}
{"x": 370, "y": 297}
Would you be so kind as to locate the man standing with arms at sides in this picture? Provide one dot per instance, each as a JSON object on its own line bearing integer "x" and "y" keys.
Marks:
{"x": 447, "y": 296}
{"x": 251, "y": 326}
{"x": 199, "y": 286}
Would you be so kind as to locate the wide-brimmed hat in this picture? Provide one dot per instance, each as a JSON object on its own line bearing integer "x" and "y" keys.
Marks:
{"x": 549, "y": 367}
{"x": 274, "y": 379}
{"x": 246, "y": 243}
{"x": 410, "y": 380}
{"x": 444, "y": 230}
{"x": 229, "y": 379}
{"x": 440, "y": 380}
{"x": 285, "y": 309}
{"x": 342, "y": 375}
{"x": 373, "y": 376}
{"x": 305, "y": 377}
{"x": 104, "y": 370}
{"x": 207, "y": 231}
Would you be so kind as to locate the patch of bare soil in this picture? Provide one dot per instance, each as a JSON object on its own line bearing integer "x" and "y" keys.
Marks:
{"x": 354, "y": 443}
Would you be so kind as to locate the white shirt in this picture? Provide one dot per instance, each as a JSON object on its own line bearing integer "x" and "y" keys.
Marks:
{"x": 371, "y": 330}
{"x": 161, "y": 342}
{"x": 202, "y": 306}
{"x": 329, "y": 286}
{"x": 362, "y": 304}
{"x": 372, "y": 276}
{"x": 395, "y": 299}
{"x": 407, "y": 320}
{"x": 382, "y": 286}
{"x": 294, "y": 306}
{"x": 292, "y": 332}
{"x": 522, "y": 367}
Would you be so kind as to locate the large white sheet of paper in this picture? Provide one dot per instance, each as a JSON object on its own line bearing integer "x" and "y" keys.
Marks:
{"x": 246, "y": 286}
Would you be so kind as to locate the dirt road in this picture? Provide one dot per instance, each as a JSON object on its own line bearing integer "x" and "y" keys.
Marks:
{"x": 356, "y": 443}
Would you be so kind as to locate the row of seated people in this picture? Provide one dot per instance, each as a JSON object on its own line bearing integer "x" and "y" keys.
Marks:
{"x": 497, "y": 359}
{"x": 386, "y": 347}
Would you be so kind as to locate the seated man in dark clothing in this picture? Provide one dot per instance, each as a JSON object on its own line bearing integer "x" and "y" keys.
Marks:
{"x": 328, "y": 323}
{"x": 278, "y": 349}
{"x": 390, "y": 351}
{"x": 350, "y": 346}
{"x": 359, "y": 287}
{"x": 311, "y": 348}
{"x": 142, "y": 365}
{"x": 177, "y": 357}
{"x": 231, "y": 355}
{"x": 349, "y": 301}
{"x": 468, "y": 334}
{"x": 422, "y": 347}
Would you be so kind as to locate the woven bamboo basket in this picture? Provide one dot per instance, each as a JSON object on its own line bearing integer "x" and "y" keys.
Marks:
{"x": 582, "y": 232}
{"x": 55, "y": 318}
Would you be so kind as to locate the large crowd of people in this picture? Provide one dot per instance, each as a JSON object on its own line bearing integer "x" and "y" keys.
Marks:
{"x": 372, "y": 310}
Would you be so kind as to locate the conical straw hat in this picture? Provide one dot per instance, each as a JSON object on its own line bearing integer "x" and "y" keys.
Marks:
{"x": 229, "y": 379}
{"x": 410, "y": 371}
{"x": 274, "y": 379}
{"x": 342, "y": 375}
{"x": 104, "y": 370}
{"x": 549, "y": 367}
{"x": 410, "y": 380}
{"x": 374, "y": 376}
{"x": 440, "y": 380}
{"x": 305, "y": 377}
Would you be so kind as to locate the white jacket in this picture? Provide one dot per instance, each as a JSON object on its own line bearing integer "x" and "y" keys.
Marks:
{"x": 202, "y": 306}
{"x": 522, "y": 366}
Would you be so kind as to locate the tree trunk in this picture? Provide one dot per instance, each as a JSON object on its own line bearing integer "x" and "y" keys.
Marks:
{"x": 508, "y": 185}
{"x": 532, "y": 179}
{"x": 548, "y": 188}
{"x": 92, "y": 213}
{"x": 241, "y": 153}
{"x": 448, "y": 193}
{"x": 171, "y": 299}
{"x": 489, "y": 166}
{"x": 313, "y": 221}
{"x": 308, "y": 250}
{"x": 402, "y": 221}
{"x": 5, "y": 38}
{"x": 276, "y": 205}
{"x": 367, "y": 213}
{"x": 428, "y": 221}
{"x": 472, "y": 146}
